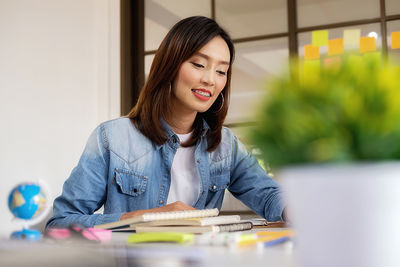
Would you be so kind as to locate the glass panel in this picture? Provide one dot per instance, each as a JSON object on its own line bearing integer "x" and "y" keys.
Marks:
{"x": 242, "y": 131}
{"x": 252, "y": 17}
{"x": 317, "y": 12}
{"x": 161, "y": 15}
{"x": 393, "y": 26}
{"x": 147, "y": 64}
{"x": 255, "y": 62}
{"x": 392, "y": 7}
{"x": 366, "y": 30}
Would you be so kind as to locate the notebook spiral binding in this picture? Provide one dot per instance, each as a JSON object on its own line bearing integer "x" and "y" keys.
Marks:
{"x": 180, "y": 214}
{"x": 235, "y": 227}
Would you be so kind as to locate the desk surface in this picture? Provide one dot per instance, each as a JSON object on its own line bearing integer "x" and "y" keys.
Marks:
{"x": 117, "y": 253}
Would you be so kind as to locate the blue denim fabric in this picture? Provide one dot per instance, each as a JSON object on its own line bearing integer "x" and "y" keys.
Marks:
{"x": 123, "y": 170}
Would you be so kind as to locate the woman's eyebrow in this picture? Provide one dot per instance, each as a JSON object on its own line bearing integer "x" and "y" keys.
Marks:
{"x": 208, "y": 57}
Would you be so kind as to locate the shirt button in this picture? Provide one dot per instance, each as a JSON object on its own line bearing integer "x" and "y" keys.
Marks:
{"x": 214, "y": 187}
{"x": 198, "y": 161}
{"x": 161, "y": 201}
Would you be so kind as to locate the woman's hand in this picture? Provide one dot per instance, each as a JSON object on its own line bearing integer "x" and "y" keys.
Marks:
{"x": 176, "y": 206}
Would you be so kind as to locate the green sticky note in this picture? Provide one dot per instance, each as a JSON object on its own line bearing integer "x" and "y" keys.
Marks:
{"x": 320, "y": 38}
{"x": 160, "y": 237}
{"x": 351, "y": 38}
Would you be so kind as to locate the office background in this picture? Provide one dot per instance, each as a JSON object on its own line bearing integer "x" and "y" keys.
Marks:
{"x": 61, "y": 72}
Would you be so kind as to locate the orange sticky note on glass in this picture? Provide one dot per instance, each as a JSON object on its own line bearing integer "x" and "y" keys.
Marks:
{"x": 395, "y": 40}
{"x": 367, "y": 44}
{"x": 311, "y": 52}
{"x": 320, "y": 38}
{"x": 335, "y": 47}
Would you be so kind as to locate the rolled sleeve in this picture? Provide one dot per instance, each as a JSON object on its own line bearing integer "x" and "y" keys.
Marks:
{"x": 251, "y": 185}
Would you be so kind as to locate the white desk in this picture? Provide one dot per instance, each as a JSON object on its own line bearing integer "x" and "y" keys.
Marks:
{"x": 117, "y": 253}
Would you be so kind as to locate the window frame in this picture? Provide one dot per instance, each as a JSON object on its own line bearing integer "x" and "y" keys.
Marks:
{"x": 132, "y": 39}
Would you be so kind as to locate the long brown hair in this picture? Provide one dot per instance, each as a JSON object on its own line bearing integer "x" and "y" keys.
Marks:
{"x": 182, "y": 41}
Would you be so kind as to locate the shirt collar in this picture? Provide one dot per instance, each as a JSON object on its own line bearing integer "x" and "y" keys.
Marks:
{"x": 205, "y": 128}
{"x": 170, "y": 134}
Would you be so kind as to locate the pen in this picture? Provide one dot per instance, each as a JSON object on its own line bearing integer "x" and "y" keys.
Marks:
{"x": 276, "y": 241}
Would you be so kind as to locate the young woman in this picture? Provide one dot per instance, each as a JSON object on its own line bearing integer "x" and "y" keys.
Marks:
{"x": 171, "y": 152}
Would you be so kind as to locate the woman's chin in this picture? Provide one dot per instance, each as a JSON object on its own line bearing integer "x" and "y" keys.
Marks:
{"x": 202, "y": 110}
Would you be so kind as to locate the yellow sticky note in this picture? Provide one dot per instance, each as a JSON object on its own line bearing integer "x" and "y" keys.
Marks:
{"x": 367, "y": 44}
{"x": 320, "y": 38}
{"x": 311, "y": 52}
{"x": 395, "y": 40}
{"x": 335, "y": 47}
{"x": 351, "y": 38}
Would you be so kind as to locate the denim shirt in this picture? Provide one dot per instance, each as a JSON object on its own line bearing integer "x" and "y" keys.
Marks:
{"x": 123, "y": 170}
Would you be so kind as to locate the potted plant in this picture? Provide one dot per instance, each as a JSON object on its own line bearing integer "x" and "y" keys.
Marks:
{"x": 332, "y": 134}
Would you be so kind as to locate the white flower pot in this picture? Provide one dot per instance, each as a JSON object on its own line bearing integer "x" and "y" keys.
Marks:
{"x": 345, "y": 215}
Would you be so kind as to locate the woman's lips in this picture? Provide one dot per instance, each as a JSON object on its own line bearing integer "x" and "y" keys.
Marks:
{"x": 202, "y": 94}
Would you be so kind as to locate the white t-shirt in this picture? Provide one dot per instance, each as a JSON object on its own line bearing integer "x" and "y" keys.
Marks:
{"x": 185, "y": 177}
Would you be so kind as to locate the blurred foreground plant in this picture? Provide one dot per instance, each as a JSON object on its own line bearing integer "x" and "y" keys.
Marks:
{"x": 346, "y": 111}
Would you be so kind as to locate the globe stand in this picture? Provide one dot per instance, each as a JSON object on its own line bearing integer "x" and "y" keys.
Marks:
{"x": 27, "y": 234}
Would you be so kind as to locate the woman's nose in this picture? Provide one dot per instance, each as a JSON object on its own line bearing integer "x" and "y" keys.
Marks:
{"x": 208, "y": 77}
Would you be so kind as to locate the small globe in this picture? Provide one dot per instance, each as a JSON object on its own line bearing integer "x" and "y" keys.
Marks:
{"x": 27, "y": 201}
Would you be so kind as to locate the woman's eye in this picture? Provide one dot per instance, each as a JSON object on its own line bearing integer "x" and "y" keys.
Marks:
{"x": 221, "y": 72}
{"x": 197, "y": 65}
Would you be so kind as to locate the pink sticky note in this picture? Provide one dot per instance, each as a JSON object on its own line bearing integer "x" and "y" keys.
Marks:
{"x": 97, "y": 234}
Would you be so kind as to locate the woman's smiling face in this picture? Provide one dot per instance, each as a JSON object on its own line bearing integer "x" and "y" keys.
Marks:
{"x": 201, "y": 78}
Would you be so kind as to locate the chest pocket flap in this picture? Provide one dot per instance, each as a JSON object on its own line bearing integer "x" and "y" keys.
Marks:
{"x": 219, "y": 182}
{"x": 129, "y": 182}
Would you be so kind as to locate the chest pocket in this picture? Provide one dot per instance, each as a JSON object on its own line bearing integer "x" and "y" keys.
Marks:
{"x": 130, "y": 183}
{"x": 219, "y": 174}
{"x": 219, "y": 182}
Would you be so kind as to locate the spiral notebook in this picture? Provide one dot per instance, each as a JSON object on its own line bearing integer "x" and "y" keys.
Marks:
{"x": 196, "y": 229}
{"x": 158, "y": 216}
{"x": 215, "y": 220}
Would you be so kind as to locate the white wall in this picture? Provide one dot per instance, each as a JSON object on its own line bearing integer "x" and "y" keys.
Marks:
{"x": 59, "y": 78}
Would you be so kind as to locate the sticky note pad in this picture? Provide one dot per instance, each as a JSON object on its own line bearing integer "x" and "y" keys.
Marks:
{"x": 335, "y": 47}
{"x": 367, "y": 44}
{"x": 395, "y": 40}
{"x": 351, "y": 38}
{"x": 311, "y": 52}
{"x": 320, "y": 38}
